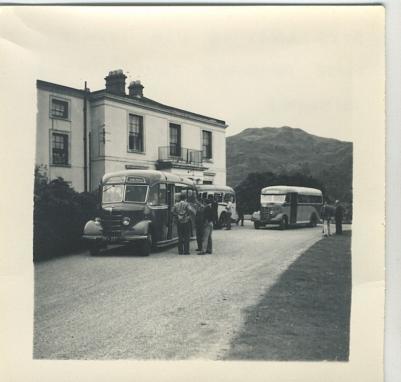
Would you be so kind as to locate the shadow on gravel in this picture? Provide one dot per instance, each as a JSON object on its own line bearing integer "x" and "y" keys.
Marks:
{"x": 305, "y": 315}
{"x": 127, "y": 251}
{"x": 133, "y": 250}
{"x": 292, "y": 227}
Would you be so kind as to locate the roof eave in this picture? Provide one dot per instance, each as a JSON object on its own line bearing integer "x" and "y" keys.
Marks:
{"x": 162, "y": 108}
{"x": 52, "y": 87}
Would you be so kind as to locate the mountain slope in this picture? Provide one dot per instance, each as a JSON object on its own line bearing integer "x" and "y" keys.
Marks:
{"x": 287, "y": 150}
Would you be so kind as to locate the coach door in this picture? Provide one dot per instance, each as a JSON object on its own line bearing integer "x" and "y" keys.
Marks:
{"x": 172, "y": 225}
{"x": 158, "y": 204}
{"x": 294, "y": 208}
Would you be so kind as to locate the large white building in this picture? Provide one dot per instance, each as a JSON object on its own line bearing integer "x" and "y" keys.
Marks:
{"x": 81, "y": 135}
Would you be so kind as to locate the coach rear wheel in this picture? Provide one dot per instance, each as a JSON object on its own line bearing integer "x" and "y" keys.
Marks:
{"x": 222, "y": 220}
{"x": 284, "y": 223}
{"x": 313, "y": 220}
{"x": 256, "y": 225}
{"x": 94, "y": 249}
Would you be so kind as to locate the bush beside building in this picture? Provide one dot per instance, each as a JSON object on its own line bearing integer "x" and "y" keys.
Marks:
{"x": 60, "y": 214}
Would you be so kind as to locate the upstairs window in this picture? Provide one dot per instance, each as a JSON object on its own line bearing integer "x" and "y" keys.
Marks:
{"x": 135, "y": 133}
{"x": 175, "y": 140}
{"x": 60, "y": 149}
{"x": 59, "y": 108}
{"x": 206, "y": 144}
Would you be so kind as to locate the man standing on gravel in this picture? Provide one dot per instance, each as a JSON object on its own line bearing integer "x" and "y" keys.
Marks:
{"x": 240, "y": 213}
{"x": 215, "y": 208}
{"x": 182, "y": 211}
{"x": 339, "y": 214}
{"x": 199, "y": 223}
{"x": 229, "y": 212}
{"x": 325, "y": 214}
{"x": 207, "y": 246}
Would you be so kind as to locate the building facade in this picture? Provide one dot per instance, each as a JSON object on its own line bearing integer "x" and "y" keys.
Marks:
{"x": 82, "y": 135}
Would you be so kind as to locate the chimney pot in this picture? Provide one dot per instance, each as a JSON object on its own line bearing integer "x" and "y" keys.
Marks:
{"x": 115, "y": 82}
{"x": 135, "y": 89}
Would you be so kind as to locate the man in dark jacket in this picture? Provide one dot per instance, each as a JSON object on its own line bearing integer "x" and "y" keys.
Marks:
{"x": 199, "y": 223}
{"x": 339, "y": 214}
{"x": 182, "y": 211}
{"x": 215, "y": 208}
{"x": 240, "y": 213}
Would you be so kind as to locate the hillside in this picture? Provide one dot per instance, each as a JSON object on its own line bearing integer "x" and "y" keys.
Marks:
{"x": 287, "y": 150}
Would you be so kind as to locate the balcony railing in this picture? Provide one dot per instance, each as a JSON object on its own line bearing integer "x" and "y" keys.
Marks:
{"x": 180, "y": 155}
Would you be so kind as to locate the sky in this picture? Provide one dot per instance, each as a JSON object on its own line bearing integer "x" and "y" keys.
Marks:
{"x": 250, "y": 66}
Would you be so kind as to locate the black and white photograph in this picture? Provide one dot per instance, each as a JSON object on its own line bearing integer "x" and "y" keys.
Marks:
{"x": 202, "y": 179}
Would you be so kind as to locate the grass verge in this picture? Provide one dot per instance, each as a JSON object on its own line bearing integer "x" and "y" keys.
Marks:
{"x": 305, "y": 315}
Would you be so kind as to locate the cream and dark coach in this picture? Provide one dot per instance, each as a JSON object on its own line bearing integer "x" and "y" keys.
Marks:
{"x": 135, "y": 208}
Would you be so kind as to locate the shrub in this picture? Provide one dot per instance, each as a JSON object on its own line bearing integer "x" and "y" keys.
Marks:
{"x": 60, "y": 214}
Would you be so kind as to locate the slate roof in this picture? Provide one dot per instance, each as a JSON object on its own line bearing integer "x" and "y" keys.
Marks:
{"x": 137, "y": 101}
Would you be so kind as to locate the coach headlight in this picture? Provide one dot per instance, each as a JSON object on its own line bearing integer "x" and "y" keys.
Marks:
{"x": 126, "y": 221}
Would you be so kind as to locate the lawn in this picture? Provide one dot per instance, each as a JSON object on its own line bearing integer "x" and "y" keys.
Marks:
{"x": 305, "y": 316}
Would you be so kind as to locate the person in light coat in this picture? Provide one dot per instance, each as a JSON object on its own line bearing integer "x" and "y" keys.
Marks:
{"x": 229, "y": 212}
{"x": 326, "y": 215}
{"x": 207, "y": 245}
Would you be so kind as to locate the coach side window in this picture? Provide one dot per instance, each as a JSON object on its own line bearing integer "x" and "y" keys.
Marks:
{"x": 177, "y": 193}
{"x": 218, "y": 197}
{"x": 158, "y": 195}
{"x": 162, "y": 193}
{"x": 153, "y": 198}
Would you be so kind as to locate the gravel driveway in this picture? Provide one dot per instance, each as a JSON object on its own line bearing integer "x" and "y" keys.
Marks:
{"x": 120, "y": 306}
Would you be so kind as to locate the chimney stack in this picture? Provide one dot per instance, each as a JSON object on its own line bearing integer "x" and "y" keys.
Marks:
{"x": 115, "y": 82}
{"x": 136, "y": 89}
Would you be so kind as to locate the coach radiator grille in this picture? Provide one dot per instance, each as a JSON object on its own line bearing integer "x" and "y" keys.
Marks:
{"x": 111, "y": 222}
{"x": 264, "y": 213}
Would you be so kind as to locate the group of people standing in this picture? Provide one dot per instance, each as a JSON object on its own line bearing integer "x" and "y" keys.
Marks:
{"x": 327, "y": 213}
{"x": 205, "y": 213}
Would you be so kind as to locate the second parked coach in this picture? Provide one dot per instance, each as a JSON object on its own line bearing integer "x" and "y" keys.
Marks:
{"x": 288, "y": 206}
{"x": 222, "y": 195}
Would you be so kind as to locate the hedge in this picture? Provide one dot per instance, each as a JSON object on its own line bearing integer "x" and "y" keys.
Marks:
{"x": 60, "y": 214}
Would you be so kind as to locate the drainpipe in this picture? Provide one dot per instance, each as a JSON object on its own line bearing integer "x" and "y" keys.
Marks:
{"x": 89, "y": 162}
{"x": 85, "y": 141}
